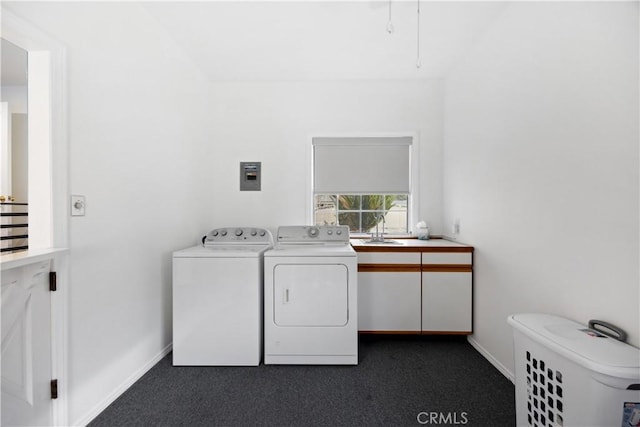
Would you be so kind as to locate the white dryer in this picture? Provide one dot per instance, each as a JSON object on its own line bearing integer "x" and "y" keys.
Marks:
{"x": 311, "y": 297}
{"x": 217, "y": 298}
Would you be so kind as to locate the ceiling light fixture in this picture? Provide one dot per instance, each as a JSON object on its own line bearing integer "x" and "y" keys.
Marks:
{"x": 389, "y": 24}
{"x": 418, "y": 63}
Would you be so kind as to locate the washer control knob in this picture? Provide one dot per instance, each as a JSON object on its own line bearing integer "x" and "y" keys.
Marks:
{"x": 262, "y": 233}
{"x": 338, "y": 232}
{"x": 329, "y": 232}
{"x": 254, "y": 233}
{"x": 214, "y": 233}
{"x": 238, "y": 232}
{"x": 313, "y": 232}
{"x": 223, "y": 233}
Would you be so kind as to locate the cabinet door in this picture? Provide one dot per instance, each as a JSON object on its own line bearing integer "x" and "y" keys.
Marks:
{"x": 389, "y": 301}
{"x": 26, "y": 346}
{"x": 446, "y": 301}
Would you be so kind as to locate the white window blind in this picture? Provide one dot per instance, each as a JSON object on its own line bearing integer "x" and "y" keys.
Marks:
{"x": 361, "y": 165}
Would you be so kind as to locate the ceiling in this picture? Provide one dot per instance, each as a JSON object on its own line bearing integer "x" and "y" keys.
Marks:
{"x": 320, "y": 40}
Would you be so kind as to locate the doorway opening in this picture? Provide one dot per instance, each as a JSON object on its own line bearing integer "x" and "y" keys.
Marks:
{"x": 14, "y": 216}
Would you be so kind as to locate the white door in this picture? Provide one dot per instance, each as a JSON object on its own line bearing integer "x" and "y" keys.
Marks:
{"x": 26, "y": 346}
{"x": 310, "y": 294}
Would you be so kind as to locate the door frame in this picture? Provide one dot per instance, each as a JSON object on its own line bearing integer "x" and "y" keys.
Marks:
{"x": 50, "y": 185}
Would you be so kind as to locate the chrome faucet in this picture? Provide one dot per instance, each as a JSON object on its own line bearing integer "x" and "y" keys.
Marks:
{"x": 379, "y": 237}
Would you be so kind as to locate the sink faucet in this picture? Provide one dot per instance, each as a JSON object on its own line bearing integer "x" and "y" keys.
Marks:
{"x": 379, "y": 237}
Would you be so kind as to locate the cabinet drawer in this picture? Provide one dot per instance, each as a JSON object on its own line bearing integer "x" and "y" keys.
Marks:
{"x": 389, "y": 258}
{"x": 457, "y": 258}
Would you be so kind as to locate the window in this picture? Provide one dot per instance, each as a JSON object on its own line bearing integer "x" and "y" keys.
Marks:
{"x": 362, "y": 182}
{"x": 362, "y": 212}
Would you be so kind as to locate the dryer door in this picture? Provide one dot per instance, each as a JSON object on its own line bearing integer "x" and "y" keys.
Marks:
{"x": 310, "y": 295}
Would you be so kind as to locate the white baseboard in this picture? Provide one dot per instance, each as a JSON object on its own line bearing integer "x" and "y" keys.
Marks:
{"x": 93, "y": 413}
{"x": 499, "y": 366}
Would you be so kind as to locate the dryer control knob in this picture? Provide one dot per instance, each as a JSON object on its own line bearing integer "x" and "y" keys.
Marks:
{"x": 254, "y": 233}
{"x": 223, "y": 232}
{"x": 329, "y": 232}
{"x": 262, "y": 233}
{"x": 238, "y": 232}
{"x": 313, "y": 232}
{"x": 338, "y": 232}
{"x": 215, "y": 233}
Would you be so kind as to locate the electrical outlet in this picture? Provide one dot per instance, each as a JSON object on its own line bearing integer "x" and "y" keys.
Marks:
{"x": 456, "y": 226}
{"x": 77, "y": 205}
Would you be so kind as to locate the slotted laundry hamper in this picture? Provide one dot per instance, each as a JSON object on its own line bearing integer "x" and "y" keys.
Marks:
{"x": 570, "y": 375}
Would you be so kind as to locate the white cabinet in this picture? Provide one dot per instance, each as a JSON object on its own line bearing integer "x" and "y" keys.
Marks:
{"x": 427, "y": 291}
{"x": 389, "y": 301}
{"x": 26, "y": 345}
{"x": 446, "y": 301}
{"x": 389, "y": 292}
{"x": 447, "y": 292}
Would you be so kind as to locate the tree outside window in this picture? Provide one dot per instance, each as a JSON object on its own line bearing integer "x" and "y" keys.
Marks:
{"x": 362, "y": 212}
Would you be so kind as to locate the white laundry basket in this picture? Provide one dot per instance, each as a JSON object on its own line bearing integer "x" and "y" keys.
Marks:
{"x": 570, "y": 375}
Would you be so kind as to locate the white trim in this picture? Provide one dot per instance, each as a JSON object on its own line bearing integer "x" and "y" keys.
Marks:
{"x": 31, "y": 256}
{"x": 40, "y": 150}
{"x": 25, "y": 35}
{"x": 117, "y": 392}
{"x": 359, "y": 141}
{"x": 499, "y": 366}
{"x": 414, "y": 196}
{"x": 5, "y": 149}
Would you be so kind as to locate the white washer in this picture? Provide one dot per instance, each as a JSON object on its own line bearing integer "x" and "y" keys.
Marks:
{"x": 311, "y": 297}
{"x": 217, "y": 298}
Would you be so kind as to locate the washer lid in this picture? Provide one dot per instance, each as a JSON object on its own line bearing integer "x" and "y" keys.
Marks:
{"x": 298, "y": 250}
{"x": 580, "y": 344}
{"x": 223, "y": 251}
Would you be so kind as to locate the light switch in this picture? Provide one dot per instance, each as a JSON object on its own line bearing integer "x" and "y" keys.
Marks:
{"x": 77, "y": 205}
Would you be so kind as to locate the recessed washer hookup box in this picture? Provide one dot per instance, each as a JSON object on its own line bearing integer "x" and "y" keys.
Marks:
{"x": 250, "y": 176}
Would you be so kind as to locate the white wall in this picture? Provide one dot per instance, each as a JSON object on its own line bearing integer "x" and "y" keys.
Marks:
{"x": 541, "y": 166}
{"x": 16, "y": 96}
{"x": 138, "y": 130}
{"x": 273, "y": 122}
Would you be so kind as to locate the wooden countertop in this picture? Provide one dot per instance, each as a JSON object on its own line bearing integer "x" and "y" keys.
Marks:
{"x": 411, "y": 245}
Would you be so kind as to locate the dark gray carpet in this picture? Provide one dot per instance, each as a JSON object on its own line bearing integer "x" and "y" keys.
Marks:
{"x": 399, "y": 381}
